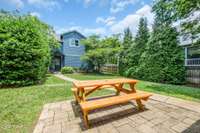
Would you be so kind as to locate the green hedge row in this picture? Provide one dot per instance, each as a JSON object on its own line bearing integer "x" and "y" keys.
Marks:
{"x": 25, "y": 49}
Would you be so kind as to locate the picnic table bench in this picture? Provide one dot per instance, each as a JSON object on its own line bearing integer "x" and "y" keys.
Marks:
{"x": 83, "y": 88}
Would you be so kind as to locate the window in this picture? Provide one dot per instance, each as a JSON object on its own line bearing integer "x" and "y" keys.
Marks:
{"x": 74, "y": 42}
{"x": 193, "y": 52}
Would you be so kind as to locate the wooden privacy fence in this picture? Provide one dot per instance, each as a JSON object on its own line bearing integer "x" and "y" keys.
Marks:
{"x": 110, "y": 68}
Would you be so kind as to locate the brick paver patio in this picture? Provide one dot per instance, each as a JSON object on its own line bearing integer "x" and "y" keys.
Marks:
{"x": 159, "y": 117}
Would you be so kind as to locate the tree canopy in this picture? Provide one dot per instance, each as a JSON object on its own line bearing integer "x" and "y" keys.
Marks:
{"x": 187, "y": 12}
{"x": 124, "y": 53}
{"x": 163, "y": 59}
{"x": 99, "y": 51}
{"x": 137, "y": 49}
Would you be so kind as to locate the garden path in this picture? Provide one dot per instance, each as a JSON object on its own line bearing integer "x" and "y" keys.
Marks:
{"x": 61, "y": 76}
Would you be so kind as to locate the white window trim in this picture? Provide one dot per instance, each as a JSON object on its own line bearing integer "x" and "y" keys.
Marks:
{"x": 70, "y": 42}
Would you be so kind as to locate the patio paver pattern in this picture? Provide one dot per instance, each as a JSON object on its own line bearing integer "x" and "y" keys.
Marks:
{"x": 158, "y": 117}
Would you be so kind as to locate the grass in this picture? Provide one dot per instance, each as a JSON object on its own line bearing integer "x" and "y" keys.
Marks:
{"x": 53, "y": 80}
{"x": 183, "y": 92}
{"x": 20, "y": 107}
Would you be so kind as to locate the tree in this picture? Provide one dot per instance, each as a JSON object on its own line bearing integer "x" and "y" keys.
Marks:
{"x": 126, "y": 44}
{"x": 99, "y": 51}
{"x": 25, "y": 45}
{"x": 188, "y": 12}
{"x": 90, "y": 44}
{"x": 138, "y": 48}
{"x": 163, "y": 58}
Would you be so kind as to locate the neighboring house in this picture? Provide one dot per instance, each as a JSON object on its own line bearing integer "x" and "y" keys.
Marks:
{"x": 70, "y": 51}
{"x": 192, "y": 59}
{"x": 192, "y": 53}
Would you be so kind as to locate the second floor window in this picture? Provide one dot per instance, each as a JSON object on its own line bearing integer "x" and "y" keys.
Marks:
{"x": 74, "y": 42}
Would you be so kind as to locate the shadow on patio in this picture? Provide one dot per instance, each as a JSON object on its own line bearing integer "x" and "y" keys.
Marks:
{"x": 194, "y": 128}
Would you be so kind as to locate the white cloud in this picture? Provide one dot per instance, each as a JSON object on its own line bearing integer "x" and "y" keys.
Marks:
{"x": 84, "y": 31}
{"x": 88, "y": 1}
{"x": 17, "y": 3}
{"x": 36, "y": 14}
{"x": 119, "y": 5}
{"x": 132, "y": 20}
{"x": 108, "y": 21}
{"x": 50, "y": 4}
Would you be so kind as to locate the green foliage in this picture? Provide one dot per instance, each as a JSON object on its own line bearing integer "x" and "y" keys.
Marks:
{"x": 185, "y": 10}
{"x": 65, "y": 70}
{"x": 25, "y": 48}
{"x": 163, "y": 59}
{"x": 125, "y": 50}
{"x": 99, "y": 51}
{"x": 138, "y": 48}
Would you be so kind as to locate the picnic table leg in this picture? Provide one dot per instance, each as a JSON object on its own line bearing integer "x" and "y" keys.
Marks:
{"x": 132, "y": 86}
{"x": 139, "y": 104}
{"x": 85, "y": 118}
{"x": 82, "y": 97}
{"x": 119, "y": 88}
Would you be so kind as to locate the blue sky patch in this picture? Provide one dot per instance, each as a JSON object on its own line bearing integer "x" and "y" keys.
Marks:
{"x": 103, "y": 17}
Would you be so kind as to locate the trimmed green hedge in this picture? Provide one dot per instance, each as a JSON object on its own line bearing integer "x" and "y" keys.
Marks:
{"x": 25, "y": 49}
{"x": 66, "y": 70}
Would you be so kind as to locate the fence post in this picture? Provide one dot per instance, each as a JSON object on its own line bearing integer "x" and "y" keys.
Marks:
{"x": 186, "y": 53}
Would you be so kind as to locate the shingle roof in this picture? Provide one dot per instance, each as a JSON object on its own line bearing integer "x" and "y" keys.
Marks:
{"x": 73, "y": 31}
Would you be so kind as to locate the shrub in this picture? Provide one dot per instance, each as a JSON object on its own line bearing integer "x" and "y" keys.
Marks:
{"x": 25, "y": 48}
{"x": 66, "y": 70}
{"x": 163, "y": 59}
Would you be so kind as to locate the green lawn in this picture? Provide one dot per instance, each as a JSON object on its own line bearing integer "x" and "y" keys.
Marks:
{"x": 20, "y": 107}
{"x": 53, "y": 80}
{"x": 188, "y": 93}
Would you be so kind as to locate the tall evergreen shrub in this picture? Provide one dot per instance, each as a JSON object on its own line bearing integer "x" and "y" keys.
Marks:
{"x": 163, "y": 59}
{"x": 25, "y": 44}
{"x": 137, "y": 49}
{"x": 124, "y": 62}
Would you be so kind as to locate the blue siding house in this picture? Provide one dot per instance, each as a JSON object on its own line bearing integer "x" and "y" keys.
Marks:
{"x": 70, "y": 52}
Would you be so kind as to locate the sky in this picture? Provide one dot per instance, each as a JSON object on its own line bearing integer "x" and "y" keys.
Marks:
{"x": 102, "y": 17}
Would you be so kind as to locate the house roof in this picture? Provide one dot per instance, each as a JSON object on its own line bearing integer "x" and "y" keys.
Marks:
{"x": 73, "y": 31}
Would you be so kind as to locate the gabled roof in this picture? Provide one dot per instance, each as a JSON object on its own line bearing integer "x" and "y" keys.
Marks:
{"x": 73, "y": 31}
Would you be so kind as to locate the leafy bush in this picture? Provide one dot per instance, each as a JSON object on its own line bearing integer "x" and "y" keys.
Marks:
{"x": 25, "y": 49}
{"x": 66, "y": 70}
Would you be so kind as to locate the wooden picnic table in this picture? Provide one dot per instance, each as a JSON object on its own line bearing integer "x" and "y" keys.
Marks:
{"x": 93, "y": 85}
{"x": 84, "y": 88}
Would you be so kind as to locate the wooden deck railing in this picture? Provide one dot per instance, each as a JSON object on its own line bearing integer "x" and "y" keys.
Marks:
{"x": 192, "y": 62}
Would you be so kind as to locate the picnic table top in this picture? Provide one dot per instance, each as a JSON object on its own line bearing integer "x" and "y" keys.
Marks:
{"x": 90, "y": 83}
